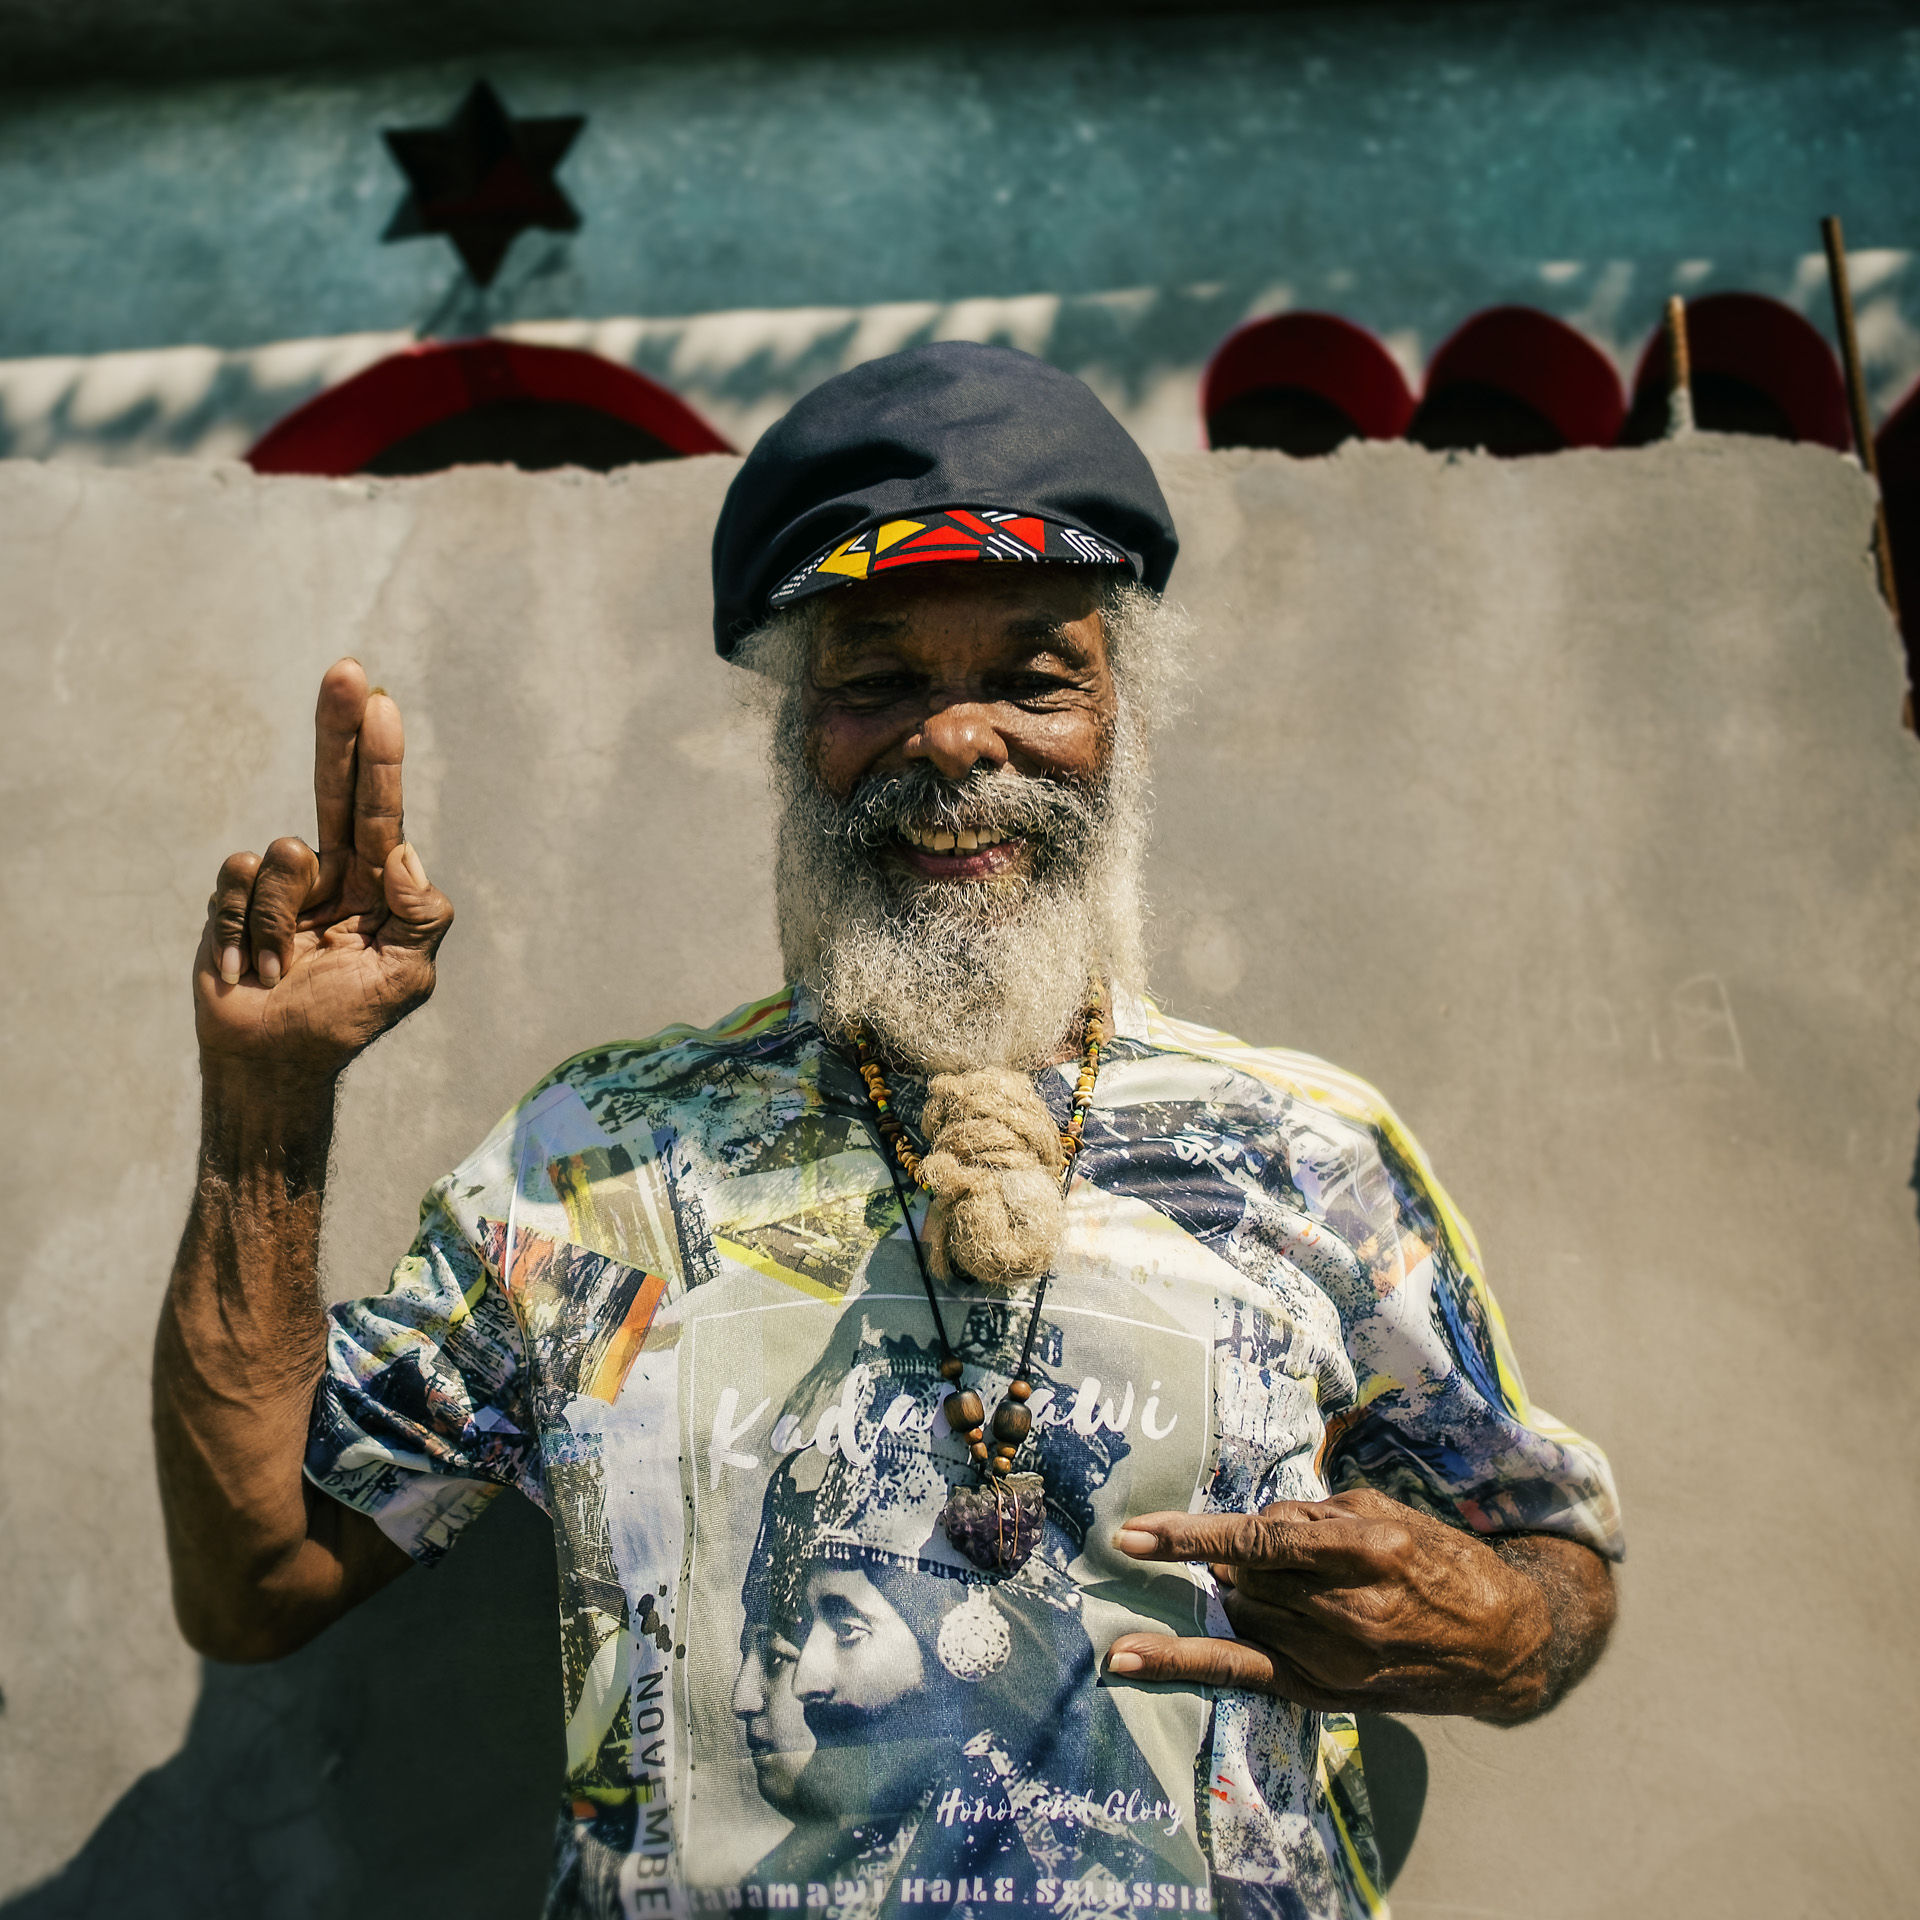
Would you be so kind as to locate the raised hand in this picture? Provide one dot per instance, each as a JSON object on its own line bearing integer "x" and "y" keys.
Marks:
{"x": 1362, "y": 1602}
{"x": 307, "y": 957}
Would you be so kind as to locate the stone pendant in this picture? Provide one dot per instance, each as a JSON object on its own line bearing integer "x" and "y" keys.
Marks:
{"x": 997, "y": 1526}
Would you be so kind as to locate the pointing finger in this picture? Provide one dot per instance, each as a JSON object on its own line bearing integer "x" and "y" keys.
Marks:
{"x": 336, "y": 728}
{"x": 1292, "y": 1534}
{"x": 231, "y": 892}
{"x": 1194, "y": 1661}
{"x": 280, "y": 888}
{"x": 1202, "y": 1662}
{"x": 377, "y": 812}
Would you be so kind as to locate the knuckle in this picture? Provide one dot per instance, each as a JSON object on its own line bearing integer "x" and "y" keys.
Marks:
{"x": 1389, "y": 1544}
{"x": 1266, "y": 1538}
{"x": 237, "y": 870}
{"x": 291, "y": 852}
{"x": 1265, "y": 1585}
{"x": 268, "y": 906}
{"x": 1207, "y": 1541}
{"x": 1242, "y": 1611}
{"x": 1193, "y": 1660}
{"x": 1182, "y": 1539}
{"x": 230, "y": 914}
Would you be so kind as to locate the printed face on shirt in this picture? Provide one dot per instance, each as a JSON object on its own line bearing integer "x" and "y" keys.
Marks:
{"x": 772, "y": 1717}
{"x": 860, "y": 1659}
{"x": 862, "y": 1681}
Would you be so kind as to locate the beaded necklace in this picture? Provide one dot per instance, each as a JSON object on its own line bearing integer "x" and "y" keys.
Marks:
{"x": 1002, "y": 1535}
{"x": 895, "y": 1132}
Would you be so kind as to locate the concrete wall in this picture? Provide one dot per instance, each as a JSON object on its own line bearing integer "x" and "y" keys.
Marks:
{"x": 1566, "y": 798}
{"x": 1113, "y": 194}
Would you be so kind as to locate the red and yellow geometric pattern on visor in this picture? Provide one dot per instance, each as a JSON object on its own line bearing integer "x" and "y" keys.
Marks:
{"x": 954, "y": 533}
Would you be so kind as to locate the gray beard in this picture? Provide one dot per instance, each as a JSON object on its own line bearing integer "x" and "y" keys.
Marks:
{"x": 947, "y": 975}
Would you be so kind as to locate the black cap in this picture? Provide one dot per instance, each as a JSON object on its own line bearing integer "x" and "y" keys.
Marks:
{"x": 952, "y": 451}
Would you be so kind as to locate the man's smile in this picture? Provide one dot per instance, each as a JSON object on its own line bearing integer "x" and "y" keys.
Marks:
{"x": 944, "y": 853}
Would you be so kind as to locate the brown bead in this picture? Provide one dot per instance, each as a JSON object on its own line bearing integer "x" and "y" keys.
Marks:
{"x": 1011, "y": 1423}
{"x": 965, "y": 1409}
{"x": 978, "y": 1449}
{"x": 952, "y": 1367}
{"x": 976, "y": 1433}
{"x": 1020, "y": 1390}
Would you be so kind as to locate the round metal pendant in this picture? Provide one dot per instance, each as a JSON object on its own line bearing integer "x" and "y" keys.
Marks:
{"x": 974, "y": 1643}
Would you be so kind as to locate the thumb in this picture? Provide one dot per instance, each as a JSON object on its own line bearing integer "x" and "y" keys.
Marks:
{"x": 421, "y": 913}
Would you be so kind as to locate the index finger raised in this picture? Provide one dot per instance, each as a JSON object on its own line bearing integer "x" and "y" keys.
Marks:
{"x": 379, "y": 818}
{"x": 336, "y": 731}
{"x": 1289, "y": 1534}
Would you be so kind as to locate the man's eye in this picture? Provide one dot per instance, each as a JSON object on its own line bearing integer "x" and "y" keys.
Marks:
{"x": 849, "y": 1632}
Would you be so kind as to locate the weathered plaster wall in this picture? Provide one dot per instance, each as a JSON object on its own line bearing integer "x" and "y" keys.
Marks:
{"x": 1565, "y": 798}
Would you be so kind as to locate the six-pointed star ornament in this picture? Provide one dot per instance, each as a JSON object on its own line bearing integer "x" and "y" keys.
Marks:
{"x": 482, "y": 178}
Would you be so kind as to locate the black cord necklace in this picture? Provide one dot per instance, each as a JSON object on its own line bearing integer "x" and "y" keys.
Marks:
{"x": 996, "y": 1525}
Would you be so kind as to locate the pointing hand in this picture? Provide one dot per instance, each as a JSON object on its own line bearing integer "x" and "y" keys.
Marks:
{"x": 1352, "y": 1602}
{"x": 308, "y": 957}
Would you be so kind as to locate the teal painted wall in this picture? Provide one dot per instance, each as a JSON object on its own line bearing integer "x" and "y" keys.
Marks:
{"x": 1403, "y": 166}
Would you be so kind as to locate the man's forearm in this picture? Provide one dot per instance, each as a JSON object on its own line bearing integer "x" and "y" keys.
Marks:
{"x": 1577, "y": 1586}
{"x": 240, "y": 1346}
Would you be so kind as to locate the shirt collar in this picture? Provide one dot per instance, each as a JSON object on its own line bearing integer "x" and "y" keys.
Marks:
{"x": 1128, "y": 1014}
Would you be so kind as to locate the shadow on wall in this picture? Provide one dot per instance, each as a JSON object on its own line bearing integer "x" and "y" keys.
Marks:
{"x": 1396, "y": 1770}
{"x": 405, "y": 1763}
{"x": 1914, "y": 1181}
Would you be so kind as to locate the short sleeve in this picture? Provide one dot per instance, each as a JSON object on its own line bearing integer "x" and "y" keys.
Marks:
{"x": 422, "y": 1416}
{"x": 1442, "y": 1419}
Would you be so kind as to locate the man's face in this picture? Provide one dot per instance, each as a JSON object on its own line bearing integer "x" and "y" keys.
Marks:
{"x": 859, "y": 1656}
{"x": 961, "y": 668}
{"x": 963, "y": 811}
{"x": 861, "y": 1677}
{"x": 772, "y": 1717}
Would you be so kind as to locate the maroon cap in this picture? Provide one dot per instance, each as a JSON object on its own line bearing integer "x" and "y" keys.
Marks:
{"x": 1321, "y": 353}
{"x": 1555, "y": 370}
{"x": 1747, "y": 337}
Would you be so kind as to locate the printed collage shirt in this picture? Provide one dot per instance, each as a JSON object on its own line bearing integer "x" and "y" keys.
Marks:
{"x": 672, "y": 1300}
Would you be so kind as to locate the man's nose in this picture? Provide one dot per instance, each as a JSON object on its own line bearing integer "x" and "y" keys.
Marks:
{"x": 957, "y": 738}
{"x": 750, "y": 1689}
{"x": 813, "y": 1673}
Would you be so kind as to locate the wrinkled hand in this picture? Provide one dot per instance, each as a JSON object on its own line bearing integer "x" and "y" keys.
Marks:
{"x": 1349, "y": 1603}
{"x": 307, "y": 957}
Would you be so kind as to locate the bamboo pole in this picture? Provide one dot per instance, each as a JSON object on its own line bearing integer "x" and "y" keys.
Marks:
{"x": 1836, "y": 246}
{"x": 1679, "y": 370}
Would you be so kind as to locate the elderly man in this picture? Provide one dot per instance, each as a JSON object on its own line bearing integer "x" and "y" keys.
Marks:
{"x": 1075, "y": 1415}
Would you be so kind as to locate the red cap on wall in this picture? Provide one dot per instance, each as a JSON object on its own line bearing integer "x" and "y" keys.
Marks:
{"x": 1542, "y": 361}
{"x": 340, "y": 430}
{"x": 1321, "y": 353}
{"x": 1748, "y": 337}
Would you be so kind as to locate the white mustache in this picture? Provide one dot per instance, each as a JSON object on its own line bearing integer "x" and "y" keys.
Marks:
{"x": 1053, "y": 815}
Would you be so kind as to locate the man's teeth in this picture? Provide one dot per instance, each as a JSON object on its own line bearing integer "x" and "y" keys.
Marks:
{"x": 965, "y": 840}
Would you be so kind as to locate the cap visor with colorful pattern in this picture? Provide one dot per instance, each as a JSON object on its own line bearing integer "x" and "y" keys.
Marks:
{"x": 952, "y": 533}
